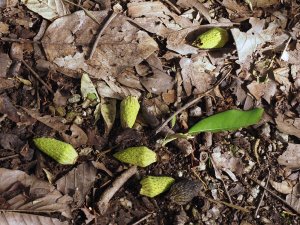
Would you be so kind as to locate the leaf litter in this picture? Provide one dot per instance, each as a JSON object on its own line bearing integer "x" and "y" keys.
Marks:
{"x": 144, "y": 49}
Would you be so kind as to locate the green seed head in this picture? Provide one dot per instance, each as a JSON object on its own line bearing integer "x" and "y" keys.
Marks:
{"x": 61, "y": 152}
{"x": 153, "y": 186}
{"x": 129, "y": 109}
{"x": 213, "y": 38}
{"x": 140, "y": 156}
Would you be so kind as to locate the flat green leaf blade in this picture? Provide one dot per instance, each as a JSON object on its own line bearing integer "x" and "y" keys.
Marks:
{"x": 228, "y": 121}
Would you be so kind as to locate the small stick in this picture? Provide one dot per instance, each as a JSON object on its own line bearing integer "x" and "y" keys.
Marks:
{"x": 111, "y": 17}
{"x": 173, "y": 6}
{"x": 37, "y": 76}
{"x": 9, "y": 157}
{"x": 227, "y": 204}
{"x": 275, "y": 195}
{"x": 262, "y": 197}
{"x": 191, "y": 103}
{"x": 116, "y": 185}
{"x": 142, "y": 219}
{"x": 85, "y": 11}
{"x": 19, "y": 40}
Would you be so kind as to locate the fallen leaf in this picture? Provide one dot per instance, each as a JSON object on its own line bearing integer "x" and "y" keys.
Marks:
{"x": 41, "y": 196}
{"x": 293, "y": 198}
{"x": 257, "y": 89}
{"x": 252, "y": 40}
{"x": 292, "y": 56}
{"x": 122, "y": 45}
{"x": 6, "y": 107}
{"x": 5, "y": 63}
{"x": 48, "y": 9}
{"x": 227, "y": 163}
{"x": 108, "y": 112}
{"x": 283, "y": 187}
{"x": 196, "y": 72}
{"x": 15, "y": 218}
{"x": 88, "y": 89}
{"x": 262, "y": 3}
{"x": 287, "y": 126}
{"x": 160, "y": 81}
{"x": 111, "y": 89}
{"x": 291, "y": 157}
{"x": 78, "y": 182}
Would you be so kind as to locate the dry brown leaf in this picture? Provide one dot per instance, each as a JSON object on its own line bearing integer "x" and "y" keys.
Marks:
{"x": 111, "y": 89}
{"x": 196, "y": 71}
{"x": 227, "y": 163}
{"x": 122, "y": 45}
{"x": 77, "y": 137}
{"x": 48, "y": 9}
{"x": 5, "y": 63}
{"x": 41, "y": 197}
{"x": 15, "y": 218}
{"x": 160, "y": 81}
{"x": 293, "y": 198}
{"x": 237, "y": 11}
{"x": 108, "y": 112}
{"x": 283, "y": 187}
{"x": 252, "y": 40}
{"x": 262, "y": 3}
{"x": 196, "y": 4}
{"x": 78, "y": 182}
{"x": 287, "y": 126}
{"x": 291, "y": 157}
{"x": 292, "y": 56}
{"x": 257, "y": 89}
{"x": 6, "y": 107}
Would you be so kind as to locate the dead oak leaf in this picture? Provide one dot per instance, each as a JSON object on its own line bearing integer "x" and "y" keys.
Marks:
{"x": 252, "y": 40}
{"x": 288, "y": 126}
{"x": 66, "y": 43}
{"x": 291, "y": 157}
{"x": 196, "y": 72}
{"x": 160, "y": 81}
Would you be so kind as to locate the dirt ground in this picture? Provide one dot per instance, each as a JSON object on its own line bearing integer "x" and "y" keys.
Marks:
{"x": 66, "y": 66}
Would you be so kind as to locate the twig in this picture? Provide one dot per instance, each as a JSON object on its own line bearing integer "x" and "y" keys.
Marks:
{"x": 255, "y": 149}
{"x": 191, "y": 103}
{"x": 9, "y": 157}
{"x": 116, "y": 185}
{"x": 111, "y": 17}
{"x": 85, "y": 11}
{"x": 142, "y": 219}
{"x": 37, "y": 76}
{"x": 173, "y": 6}
{"x": 18, "y": 40}
{"x": 220, "y": 177}
{"x": 227, "y": 204}
{"x": 262, "y": 197}
{"x": 275, "y": 195}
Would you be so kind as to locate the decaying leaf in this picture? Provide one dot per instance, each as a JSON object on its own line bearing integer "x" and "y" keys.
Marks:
{"x": 160, "y": 81}
{"x": 15, "y": 218}
{"x": 111, "y": 89}
{"x": 287, "y": 126}
{"x": 78, "y": 182}
{"x": 122, "y": 45}
{"x": 227, "y": 163}
{"x": 291, "y": 157}
{"x": 248, "y": 42}
{"x": 293, "y": 198}
{"x": 49, "y": 9}
{"x": 108, "y": 112}
{"x": 283, "y": 187}
{"x": 196, "y": 72}
{"x": 87, "y": 88}
{"x": 43, "y": 197}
